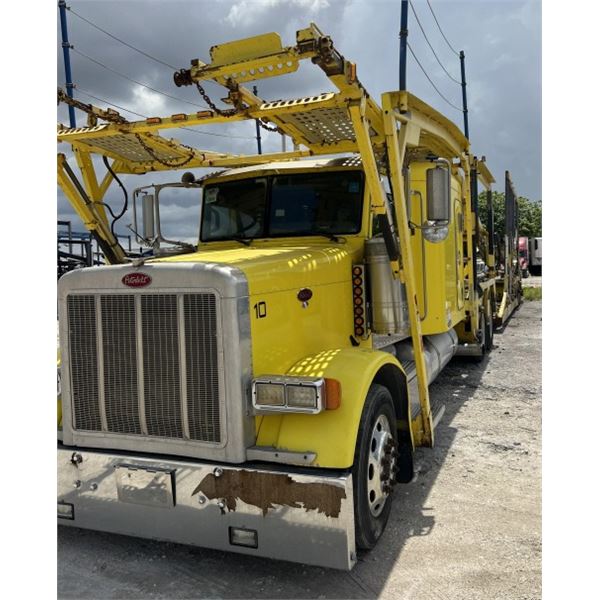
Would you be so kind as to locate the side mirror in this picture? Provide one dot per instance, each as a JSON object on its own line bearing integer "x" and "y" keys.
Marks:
{"x": 438, "y": 195}
{"x": 148, "y": 230}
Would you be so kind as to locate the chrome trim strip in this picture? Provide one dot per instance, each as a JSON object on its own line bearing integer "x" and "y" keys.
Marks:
{"x": 140, "y": 364}
{"x": 270, "y": 454}
{"x": 100, "y": 362}
{"x": 185, "y": 423}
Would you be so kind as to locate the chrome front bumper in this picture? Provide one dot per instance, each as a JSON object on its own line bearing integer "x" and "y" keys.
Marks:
{"x": 297, "y": 517}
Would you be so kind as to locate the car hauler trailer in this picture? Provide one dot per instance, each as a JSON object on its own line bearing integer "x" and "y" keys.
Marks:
{"x": 509, "y": 291}
{"x": 263, "y": 390}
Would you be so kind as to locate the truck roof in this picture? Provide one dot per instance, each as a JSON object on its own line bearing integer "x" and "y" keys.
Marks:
{"x": 349, "y": 162}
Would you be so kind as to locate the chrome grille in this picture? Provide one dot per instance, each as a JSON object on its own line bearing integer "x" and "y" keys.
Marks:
{"x": 84, "y": 362}
{"x": 162, "y": 391}
{"x": 145, "y": 364}
{"x": 201, "y": 381}
{"x": 120, "y": 364}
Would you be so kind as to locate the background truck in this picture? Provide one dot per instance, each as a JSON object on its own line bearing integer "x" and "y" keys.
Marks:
{"x": 524, "y": 256}
{"x": 263, "y": 390}
{"x": 535, "y": 255}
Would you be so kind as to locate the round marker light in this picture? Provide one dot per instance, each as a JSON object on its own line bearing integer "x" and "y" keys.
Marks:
{"x": 358, "y": 301}
{"x": 359, "y": 331}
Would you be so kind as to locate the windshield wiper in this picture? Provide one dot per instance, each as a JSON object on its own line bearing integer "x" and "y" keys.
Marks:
{"x": 329, "y": 236}
{"x": 241, "y": 239}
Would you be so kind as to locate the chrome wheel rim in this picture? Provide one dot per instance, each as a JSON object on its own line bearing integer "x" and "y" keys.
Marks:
{"x": 381, "y": 465}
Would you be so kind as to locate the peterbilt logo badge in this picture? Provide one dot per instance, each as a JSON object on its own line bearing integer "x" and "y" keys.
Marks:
{"x": 136, "y": 280}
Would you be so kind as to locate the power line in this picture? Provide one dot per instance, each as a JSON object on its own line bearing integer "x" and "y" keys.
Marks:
{"x": 225, "y": 135}
{"x": 114, "y": 37}
{"x": 429, "y": 44}
{"x": 133, "y": 80}
{"x": 440, "y": 28}
{"x": 431, "y": 82}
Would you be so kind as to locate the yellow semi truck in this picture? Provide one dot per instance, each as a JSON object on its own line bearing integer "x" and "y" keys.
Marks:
{"x": 263, "y": 389}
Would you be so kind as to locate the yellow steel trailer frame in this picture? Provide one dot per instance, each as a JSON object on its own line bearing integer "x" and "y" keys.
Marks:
{"x": 508, "y": 282}
{"x": 346, "y": 121}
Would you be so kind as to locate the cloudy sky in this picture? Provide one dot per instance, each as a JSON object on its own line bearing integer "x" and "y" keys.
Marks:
{"x": 501, "y": 40}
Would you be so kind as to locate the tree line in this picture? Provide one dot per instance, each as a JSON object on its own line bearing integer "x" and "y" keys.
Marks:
{"x": 530, "y": 214}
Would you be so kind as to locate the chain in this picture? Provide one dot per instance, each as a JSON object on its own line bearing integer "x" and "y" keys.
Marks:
{"x": 230, "y": 111}
{"x": 223, "y": 113}
{"x": 109, "y": 115}
{"x": 266, "y": 127}
{"x": 166, "y": 163}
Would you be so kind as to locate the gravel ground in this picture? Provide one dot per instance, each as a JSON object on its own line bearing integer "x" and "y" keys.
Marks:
{"x": 532, "y": 281}
{"x": 468, "y": 527}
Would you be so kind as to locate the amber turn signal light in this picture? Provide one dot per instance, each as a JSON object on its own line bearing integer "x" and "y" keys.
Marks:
{"x": 333, "y": 394}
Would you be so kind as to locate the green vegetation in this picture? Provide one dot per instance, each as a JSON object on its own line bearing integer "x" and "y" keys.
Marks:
{"x": 530, "y": 214}
{"x": 532, "y": 293}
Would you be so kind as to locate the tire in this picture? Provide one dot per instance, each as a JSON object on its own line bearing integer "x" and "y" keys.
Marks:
{"x": 488, "y": 327}
{"x": 374, "y": 466}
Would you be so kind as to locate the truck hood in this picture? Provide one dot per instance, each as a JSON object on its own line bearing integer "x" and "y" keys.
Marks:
{"x": 273, "y": 268}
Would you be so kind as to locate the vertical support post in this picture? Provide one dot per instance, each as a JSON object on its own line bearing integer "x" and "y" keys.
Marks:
{"x": 258, "y": 137}
{"x": 464, "y": 93}
{"x": 490, "y": 223}
{"x": 396, "y": 147}
{"x": 89, "y": 257}
{"x": 69, "y": 229}
{"x": 62, "y": 6}
{"x": 475, "y": 211}
{"x": 509, "y": 229}
{"x": 403, "y": 36}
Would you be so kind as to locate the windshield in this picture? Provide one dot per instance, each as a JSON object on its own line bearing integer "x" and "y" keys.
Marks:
{"x": 283, "y": 205}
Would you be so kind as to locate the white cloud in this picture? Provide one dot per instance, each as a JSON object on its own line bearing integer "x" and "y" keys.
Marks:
{"x": 147, "y": 102}
{"x": 246, "y": 12}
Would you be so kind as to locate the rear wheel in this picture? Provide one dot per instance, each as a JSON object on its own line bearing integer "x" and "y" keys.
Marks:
{"x": 374, "y": 467}
{"x": 488, "y": 337}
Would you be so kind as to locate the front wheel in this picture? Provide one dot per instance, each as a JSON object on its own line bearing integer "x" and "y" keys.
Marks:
{"x": 374, "y": 467}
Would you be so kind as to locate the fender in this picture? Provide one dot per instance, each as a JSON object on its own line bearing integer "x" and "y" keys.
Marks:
{"x": 332, "y": 434}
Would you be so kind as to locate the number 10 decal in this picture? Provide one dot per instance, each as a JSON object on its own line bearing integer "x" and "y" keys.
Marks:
{"x": 261, "y": 310}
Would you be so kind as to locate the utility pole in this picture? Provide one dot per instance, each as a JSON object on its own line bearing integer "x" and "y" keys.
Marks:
{"x": 403, "y": 36}
{"x": 62, "y": 7}
{"x": 258, "y": 138}
{"x": 464, "y": 93}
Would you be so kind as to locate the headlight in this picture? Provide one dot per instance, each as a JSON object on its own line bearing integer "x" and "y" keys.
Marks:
{"x": 302, "y": 396}
{"x": 276, "y": 393}
{"x": 270, "y": 394}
